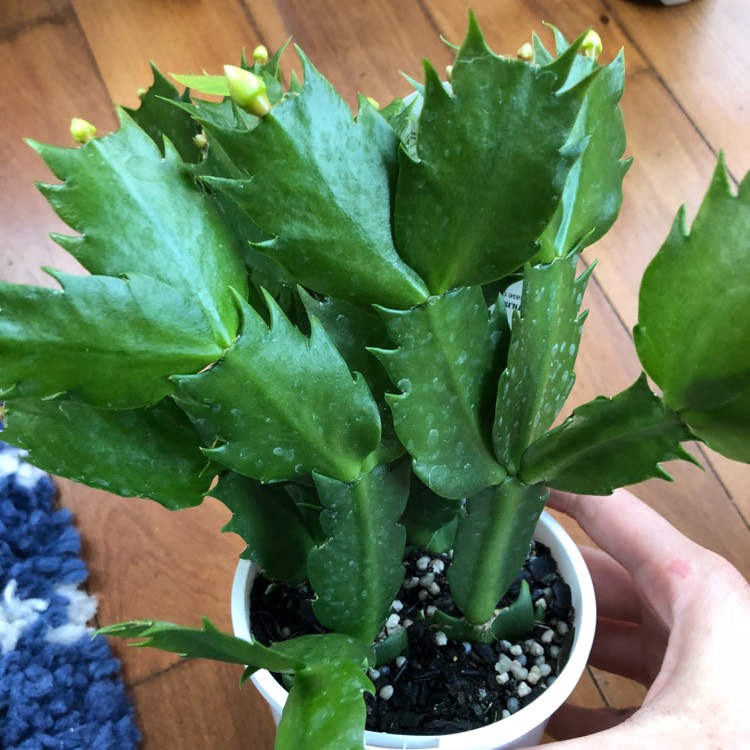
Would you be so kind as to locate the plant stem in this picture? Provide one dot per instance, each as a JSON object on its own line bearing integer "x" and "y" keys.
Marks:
{"x": 492, "y": 542}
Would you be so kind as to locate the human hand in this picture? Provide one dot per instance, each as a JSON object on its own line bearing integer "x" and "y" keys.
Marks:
{"x": 673, "y": 616}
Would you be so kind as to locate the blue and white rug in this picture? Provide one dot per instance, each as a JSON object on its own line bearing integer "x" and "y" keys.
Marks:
{"x": 59, "y": 688}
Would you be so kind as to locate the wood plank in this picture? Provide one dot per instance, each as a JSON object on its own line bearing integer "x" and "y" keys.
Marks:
{"x": 735, "y": 477}
{"x": 700, "y": 52}
{"x": 19, "y": 16}
{"x": 38, "y": 97}
{"x": 178, "y": 37}
{"x": 360, "y": 51}
{"x": 197, "y": 705}
{"x": 672, "y": 165}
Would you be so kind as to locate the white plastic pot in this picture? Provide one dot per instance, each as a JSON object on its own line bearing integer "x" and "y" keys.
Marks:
{"x": 522, "y": 729}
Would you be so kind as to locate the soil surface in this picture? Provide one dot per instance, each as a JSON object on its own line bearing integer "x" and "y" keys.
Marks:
{"x": 438, "y": 686}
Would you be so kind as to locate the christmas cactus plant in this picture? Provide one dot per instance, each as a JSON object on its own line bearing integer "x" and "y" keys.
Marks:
{"x": 313, "y": 307}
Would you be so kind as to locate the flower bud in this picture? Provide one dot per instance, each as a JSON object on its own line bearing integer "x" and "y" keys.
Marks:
{"x": 141, "y": 93}
{"x": 82, "y": 130}
{"x": 526, "y": 52}
{"x": 247, "y": 90}
{"x": 200, "y": 141}
{"x": 373, "y": 102}
{"x": 592, "y": 45}
{"x": 260, "y": 55}
{"x": 449, "y": 73}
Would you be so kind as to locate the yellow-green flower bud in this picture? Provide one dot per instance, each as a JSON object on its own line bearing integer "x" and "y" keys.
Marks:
{"x": 592, "y": 45}
{"x": 260, "y": 55}
{"x": 373, "y": 102}
{"x": 200, "y": 141}
{"x": 526, "y": 52}
{"x": 82, "y": 130}
{"x": 141, "y": 92}
{"x": 247, "y": 90}
{"x": 449, "y": 73}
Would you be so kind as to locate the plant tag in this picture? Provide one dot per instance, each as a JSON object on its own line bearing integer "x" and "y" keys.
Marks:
{"x": 512, "y": 297}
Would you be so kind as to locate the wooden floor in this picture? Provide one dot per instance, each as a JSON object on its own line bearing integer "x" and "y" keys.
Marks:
{"x": 688, "y": 96}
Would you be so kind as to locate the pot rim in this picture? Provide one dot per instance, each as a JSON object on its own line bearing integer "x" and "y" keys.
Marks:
{"x": 573, "y": 570}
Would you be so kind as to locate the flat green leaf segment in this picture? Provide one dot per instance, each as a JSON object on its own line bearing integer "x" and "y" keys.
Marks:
{"x": 493, "y": 158}
{"x": 541, "y": 361}
{"x": 357, "y": 572}
{"x": 216, "y": 163}
{"x": 295, "y": 407}
{"x": 158, "y": 117}
{"x": 592, "y": 195}
{"x": 109, "y": 342}
{"x": 140, "y": 212}
{"x": 152, "y": 452}
{"x": 327, "y": 648}
{"x": 207, "y": 642}
{"x": 261, "y": 515}
{"x": 726, "y": 427}
{"x": 686, "y": 296}
{"x": 325, "y": 709}
{"x": 352, "y": 330}
{"x": 427, "y": 514}
{"x": 205, "y": 84}
{"x": 334, "y": 176}
{"x": 608, "y": 443}
{"x": 492, "y": 543}
{"x": 447, "y": 365}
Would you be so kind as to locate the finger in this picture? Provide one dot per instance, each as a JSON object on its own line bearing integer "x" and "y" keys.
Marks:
{"x": 658, "y": 556}
{"x": 616, "y": 597}
{"x": 622, "y": 525}
{"x": 576, "y": 721}
{"x": 619, "y": 648}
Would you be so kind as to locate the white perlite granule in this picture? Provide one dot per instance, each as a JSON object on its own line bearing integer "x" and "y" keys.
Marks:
{"x": 386, "y": 692}
{"x": 522, "y": 690}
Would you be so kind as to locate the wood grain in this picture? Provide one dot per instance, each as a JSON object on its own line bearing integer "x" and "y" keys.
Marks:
{"x": 38, "y": 97}
{"x": 189, "y": 708}
{"x": 687, "y": 96}
{"x": 150, "y": 547}
{"x": 700, "y": 53}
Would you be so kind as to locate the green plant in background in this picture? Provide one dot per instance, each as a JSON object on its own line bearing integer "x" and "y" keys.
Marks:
{"x": 310, "y": 306}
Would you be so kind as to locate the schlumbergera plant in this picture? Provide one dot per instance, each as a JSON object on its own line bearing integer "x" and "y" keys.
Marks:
{"x": 310, "y": 306}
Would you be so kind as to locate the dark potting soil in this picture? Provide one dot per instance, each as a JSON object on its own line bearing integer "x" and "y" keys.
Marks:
{"x": 438, "y": 686}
